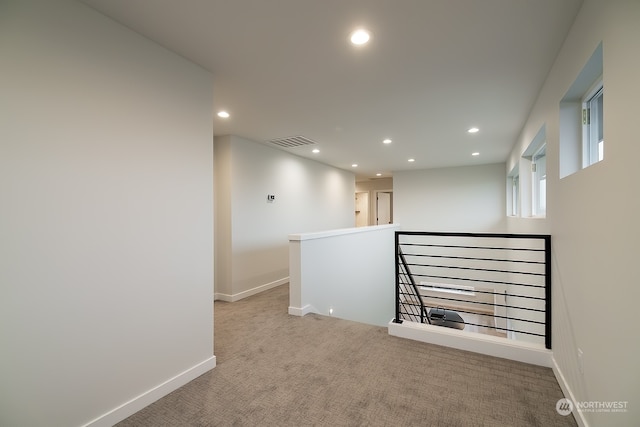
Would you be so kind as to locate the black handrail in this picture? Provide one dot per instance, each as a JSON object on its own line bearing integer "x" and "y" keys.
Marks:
{"x": 423, "y": 309}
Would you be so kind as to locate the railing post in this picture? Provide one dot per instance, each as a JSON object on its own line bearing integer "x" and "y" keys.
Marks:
{"x": 397, "y": 246}
{"x": 547, "y": 290}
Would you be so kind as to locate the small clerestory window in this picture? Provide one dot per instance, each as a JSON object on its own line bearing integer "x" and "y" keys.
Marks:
{"x": 593, "y": 126}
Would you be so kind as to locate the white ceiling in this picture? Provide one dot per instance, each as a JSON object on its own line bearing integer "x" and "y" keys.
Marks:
{"x": 433, "y": 69}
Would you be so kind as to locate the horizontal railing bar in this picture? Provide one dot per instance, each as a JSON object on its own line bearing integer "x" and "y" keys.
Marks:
{"x": 476, "y": 269}
{"x": 416, "y": 313}
{"x": 432, "y": 288}
{"x": 483, "y": 292}
{"x": 495, "y": 316}
{"x": 409, "y": 304}
{"x": 464, "y": 234}
{"x": 417, "y": 304}
{"x": 433, "y": 245}
{"x": 505, "y": 329}
{"x": 476, "y": 259}
{"x": 480, "y": 281}
{"x": 477, "y": 314}
{"x": 488, "y": 303}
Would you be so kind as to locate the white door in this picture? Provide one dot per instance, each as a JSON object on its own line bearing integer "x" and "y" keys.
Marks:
{"x": 362, "y": 209}
{"x": 384, "y": 213}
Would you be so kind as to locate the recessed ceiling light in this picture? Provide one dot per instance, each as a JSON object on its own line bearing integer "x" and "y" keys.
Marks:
{"x": 223, "y": 114}
{"x": 360, "y": 37}
{"x": 473, "y": 130}
{"x": 315, "y": 151}
{"x": 411, "y": 160}
{"x": 355, "y": 165}
{"x": 378, "y": 174}
{"x": 386, "y": 141}
{"x": 475, "y": 154}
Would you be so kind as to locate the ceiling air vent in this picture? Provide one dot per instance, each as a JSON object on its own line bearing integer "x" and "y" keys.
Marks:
{"x": 292, "y": 142}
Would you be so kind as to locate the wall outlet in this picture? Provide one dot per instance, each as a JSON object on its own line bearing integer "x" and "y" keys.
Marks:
{"x": 580, "y": 361}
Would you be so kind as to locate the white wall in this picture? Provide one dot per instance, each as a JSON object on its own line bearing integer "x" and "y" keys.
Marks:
{"x": 593, "y": 217}
{"x": 222, "y": 202}
{"x": 106, "y": 233}
{"x": 347, "y": 273}
{"x": 309, "y": 196}
{"x": 470, "y": 198}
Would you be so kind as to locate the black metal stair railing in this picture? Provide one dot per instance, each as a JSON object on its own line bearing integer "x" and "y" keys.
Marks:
{"x": 409, "y": 293}
{"x": 492, "y": 283}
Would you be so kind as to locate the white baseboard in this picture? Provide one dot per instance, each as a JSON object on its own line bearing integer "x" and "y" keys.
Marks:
{"x": 248, "y": 293}
{"x": 148, "y": 397}
{"x": 470, "y": 341}
{"x": 566, "y": 390}
{"x": 297, "y": 311}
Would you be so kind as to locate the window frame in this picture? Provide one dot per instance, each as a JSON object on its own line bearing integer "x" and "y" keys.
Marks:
{"x": 515, "y": 194}
{"x": 539, "y": 181}
{"x": 513, "y": 185}
{"x": 572, "y": 153}
{"x": 533, "y": 176}
{"x": 592, "y": 124}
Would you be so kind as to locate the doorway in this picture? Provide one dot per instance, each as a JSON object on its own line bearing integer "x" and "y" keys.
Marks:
{"x": 362, "y": 209}
{"x": 384, "y": 207}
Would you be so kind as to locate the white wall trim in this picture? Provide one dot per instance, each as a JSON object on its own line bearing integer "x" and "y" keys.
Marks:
{"x": 566, "y": 390}
{"x": 296, "y": 311}
{"x": 339, "y": 232}
{"x": 471, "y": 341}
{"x": 148, "y": 397}
{"x": 248, "y": 293}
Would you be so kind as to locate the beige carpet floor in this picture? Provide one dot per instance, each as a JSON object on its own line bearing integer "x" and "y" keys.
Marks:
{"x": 279, "y": 370}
